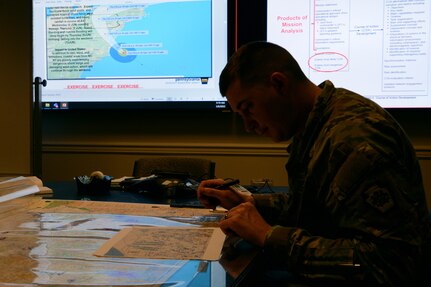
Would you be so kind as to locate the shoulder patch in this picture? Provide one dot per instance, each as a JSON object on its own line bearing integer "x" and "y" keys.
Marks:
{"x": 379, "y": 198}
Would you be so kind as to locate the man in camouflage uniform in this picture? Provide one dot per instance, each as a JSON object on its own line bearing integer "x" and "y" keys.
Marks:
{"x": 356, "y": 207}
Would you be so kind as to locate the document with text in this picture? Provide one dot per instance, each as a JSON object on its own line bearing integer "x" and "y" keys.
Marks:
{"x": 179, "y": 243}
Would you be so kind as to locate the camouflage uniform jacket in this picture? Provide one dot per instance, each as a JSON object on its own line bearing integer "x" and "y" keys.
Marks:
{"x": 356, "y": 206}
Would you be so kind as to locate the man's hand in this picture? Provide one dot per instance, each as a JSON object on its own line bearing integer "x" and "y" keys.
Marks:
{"x": 227, "y": 198}
{"x": 245, "y": 221}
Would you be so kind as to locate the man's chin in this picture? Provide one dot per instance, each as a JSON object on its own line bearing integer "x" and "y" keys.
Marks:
{"x": 274, "y": 137}
{"x": 276, "y": 140}
{"x": 279, "y": 138}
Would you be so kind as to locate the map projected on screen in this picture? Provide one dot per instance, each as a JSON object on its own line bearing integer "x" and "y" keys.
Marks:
{"x": 130, "y": 53}
{"x": 129, "y": 40}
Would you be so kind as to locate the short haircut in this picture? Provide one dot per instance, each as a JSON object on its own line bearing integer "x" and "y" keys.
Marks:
{"x": 254, "y": 63}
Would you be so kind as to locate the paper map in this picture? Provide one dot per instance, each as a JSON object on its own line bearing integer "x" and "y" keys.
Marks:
{"x": 165, "y": 243}
{"x": 52, "y": 242}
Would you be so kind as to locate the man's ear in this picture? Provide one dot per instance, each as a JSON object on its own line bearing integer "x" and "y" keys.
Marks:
{"x": 279, "y": 81}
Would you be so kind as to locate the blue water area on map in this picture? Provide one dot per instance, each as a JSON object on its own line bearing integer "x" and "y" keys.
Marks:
{"x": 183, "y": 30}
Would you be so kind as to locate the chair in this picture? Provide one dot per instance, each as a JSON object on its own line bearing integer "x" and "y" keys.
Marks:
{"x": 196, "y": 168}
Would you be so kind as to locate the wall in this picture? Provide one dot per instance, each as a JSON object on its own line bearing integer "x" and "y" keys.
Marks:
{"x": 77, "y": 143}
{"x": 16, "y": 89}
{"x": 114, "y": 139}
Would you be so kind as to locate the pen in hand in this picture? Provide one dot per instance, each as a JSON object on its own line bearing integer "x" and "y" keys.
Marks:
{"x": 227, "y": 183}
{"x": 216, "y": 202}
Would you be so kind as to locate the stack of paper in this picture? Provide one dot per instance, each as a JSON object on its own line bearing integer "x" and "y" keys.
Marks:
{"x": 14, "y": 187}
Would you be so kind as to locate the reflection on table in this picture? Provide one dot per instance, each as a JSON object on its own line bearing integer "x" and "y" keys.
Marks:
{"x": 53, "y": 245}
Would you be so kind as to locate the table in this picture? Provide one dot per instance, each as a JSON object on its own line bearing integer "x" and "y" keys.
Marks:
{"x": 54, "y": 247}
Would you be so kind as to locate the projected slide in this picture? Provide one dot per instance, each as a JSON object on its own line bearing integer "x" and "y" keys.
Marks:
{"x": 133, "y": 40}
{"x": 379, "y": 48}
{"x": 130, "y": 53}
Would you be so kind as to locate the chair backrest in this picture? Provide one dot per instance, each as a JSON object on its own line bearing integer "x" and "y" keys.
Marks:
{"x": 198, "y": 168}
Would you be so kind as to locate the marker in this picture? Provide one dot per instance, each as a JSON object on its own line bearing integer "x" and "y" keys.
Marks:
{"x": 227, "y": 184}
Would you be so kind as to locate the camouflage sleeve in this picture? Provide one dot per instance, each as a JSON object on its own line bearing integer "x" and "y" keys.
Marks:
{"x": 297, "y": 250}
{"x": 312, "y": 256}
{"x": 376, "y": 219}
{"x": 271, "y": 206}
